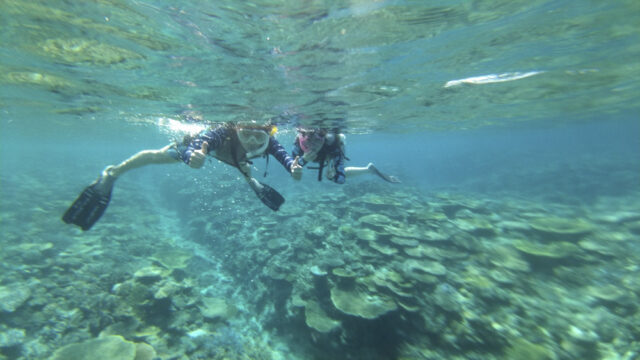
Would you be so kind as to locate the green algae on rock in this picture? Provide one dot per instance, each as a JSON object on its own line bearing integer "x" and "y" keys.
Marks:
{"x": 317, "y": 271}
{"x": 366, "y": 234}
{"x": 150, "y": 274}
{"x": 277, "y": 244}
{"x": 523, "y": 349}
{"x": 556, "y": 250}
{"x": 600, "y": 246}
{"x": 344, "y": 273}
{"x": 45, "y": 80}
{"x": 12, "y": 296}
{"x": 379, "y": 202}
{"x": 403, "y": 241}
{"x": 618, "y": 217}
{"x": 89, "y": 51}
{"x": 611, "y": 293}
{"x": 167, "y": 289}
{"x": 216, "y": 309}
{"x": 378, "y": 220}
{"x": 172, "y": 258}
{"x": 404, "y": 231}
{"x": 362, "y": 303}
{"x": 33, "y": 14}
{"x": 502, "y": 276}
{"x": 389, "y": 279}
{"x": 383, "y": 249}
{"x": 423, "y": 271}
{"x": 10, "y": 337}
{"x": 561, "y": 228}
{"x": 317, "y": 319}
{"x": 475, "y": 225}
{"x": 418, "y": 251}
{"x": 508, "y": 258}
{"x": 435, "y": 236}
{"x": 110, "y": 347}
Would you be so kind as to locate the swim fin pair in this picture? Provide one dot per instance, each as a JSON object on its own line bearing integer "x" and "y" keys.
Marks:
{"x": 94, "y": 199}
{"x": 91, "y": 203}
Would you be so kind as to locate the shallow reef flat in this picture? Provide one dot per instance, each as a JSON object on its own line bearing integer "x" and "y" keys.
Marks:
{"x": 367, "y": 272}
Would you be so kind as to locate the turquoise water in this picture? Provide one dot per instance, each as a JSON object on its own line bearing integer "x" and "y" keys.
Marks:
{"x": 512, "y": 125}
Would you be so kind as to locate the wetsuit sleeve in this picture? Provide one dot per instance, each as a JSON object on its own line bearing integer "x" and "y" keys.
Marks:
{"x": 214, "y": 137}
{"x": 296, "y": 151}
{"x": 277, "y": 151}
{"x": 338, "y": 163}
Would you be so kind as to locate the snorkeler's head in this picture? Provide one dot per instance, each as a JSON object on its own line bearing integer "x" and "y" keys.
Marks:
{"x": 311, "y": 140}
{"x": 254, "y": 138}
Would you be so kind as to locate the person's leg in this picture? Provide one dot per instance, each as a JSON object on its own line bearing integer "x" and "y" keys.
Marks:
{"x": 143, "y": 158}
{"x": 352, "y": 171}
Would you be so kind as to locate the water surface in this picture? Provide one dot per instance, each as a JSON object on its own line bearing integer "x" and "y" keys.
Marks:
{"x": 513, "y": 126}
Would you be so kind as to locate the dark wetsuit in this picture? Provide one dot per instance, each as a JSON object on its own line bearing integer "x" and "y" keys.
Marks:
{"x": 331, "y": 155}
{"x": 218, "y": 138}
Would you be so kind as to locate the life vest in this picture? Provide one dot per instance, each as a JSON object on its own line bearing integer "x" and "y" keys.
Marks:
{"x": 327, "y": 149}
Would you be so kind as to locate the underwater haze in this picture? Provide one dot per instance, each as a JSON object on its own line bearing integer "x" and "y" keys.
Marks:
{"x": 514, "y": 127}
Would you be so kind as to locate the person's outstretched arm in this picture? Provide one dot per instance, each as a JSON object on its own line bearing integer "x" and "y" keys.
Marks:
{"x": 201, "y": 145}
{"x": 278, "y": 151}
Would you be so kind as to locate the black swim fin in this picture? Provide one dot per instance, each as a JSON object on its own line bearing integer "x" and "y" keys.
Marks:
{"x": 389, "y": 178}
{"x": 90, "y": 204}
{"x": 268, "y": 195}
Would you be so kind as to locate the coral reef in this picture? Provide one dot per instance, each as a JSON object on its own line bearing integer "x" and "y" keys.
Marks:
{"x": 396, "y": 275}
{"x": 457, "y": 270}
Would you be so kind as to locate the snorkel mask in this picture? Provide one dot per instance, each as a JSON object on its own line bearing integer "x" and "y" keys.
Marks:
{"x": 310, "y": 141}
{"x": 255, "y": 140}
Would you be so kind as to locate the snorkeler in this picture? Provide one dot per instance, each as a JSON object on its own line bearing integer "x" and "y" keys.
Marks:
{"x": 234, "y": 144}
{"x": 326, "y": 148}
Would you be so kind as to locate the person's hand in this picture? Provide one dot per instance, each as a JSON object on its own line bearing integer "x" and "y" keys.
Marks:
{"x": 296, "y": 169}
{"x": 196, "y": 160}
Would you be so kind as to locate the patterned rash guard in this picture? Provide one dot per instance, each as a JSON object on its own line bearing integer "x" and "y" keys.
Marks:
{"x": 331, "y": 154}
{"x": 217, "y": 137}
